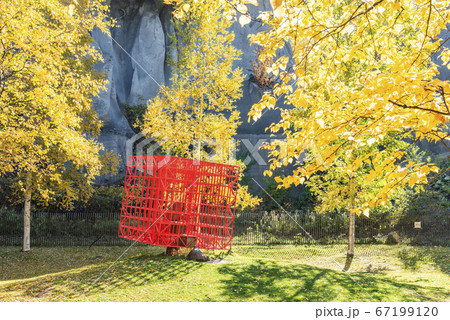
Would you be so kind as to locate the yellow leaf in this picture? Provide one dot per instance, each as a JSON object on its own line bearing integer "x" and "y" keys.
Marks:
{"x": 241, "y": 8}
{"x": 252, "y": 2}
{"x": 366, "y": 212}
{"x": 186, "y": 7}
{"x": 244, "y": 20}
{"x": 276, "y": 3}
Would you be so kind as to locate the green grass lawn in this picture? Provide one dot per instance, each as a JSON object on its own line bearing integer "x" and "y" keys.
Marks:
{"x": 278, "y": 273}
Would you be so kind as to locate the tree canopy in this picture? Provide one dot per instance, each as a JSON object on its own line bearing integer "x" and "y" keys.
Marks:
{"x": 195, "y": 117}
{"x": 360, "y": 71}
{"x": 47, "y": 83}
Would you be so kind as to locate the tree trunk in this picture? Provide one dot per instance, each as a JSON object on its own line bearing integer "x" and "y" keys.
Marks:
{"x": 351, "y": 242}
{"x": 26, "y": 215}
{"x": 351, "y": 235}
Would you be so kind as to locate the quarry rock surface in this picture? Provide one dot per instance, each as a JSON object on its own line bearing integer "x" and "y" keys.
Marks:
{"x": 135, "y": 64}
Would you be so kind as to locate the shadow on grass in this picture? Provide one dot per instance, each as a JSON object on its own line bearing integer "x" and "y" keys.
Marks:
{"x": 266, "y": 280}
{"x": 413, "y": 257}
{"x": 40, "y": 261}
{"x": 241, "y": 279}
{"x": 85, "y": 282}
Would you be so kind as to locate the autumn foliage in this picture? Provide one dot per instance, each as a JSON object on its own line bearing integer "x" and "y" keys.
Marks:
{"x": 360, "y": 73}
{"x": 196, "y": 117}
{"x": 47, "y": 123}
{"x": 48, "y": 127}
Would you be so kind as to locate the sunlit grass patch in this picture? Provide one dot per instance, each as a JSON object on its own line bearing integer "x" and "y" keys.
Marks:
{"x": 143, "y": 274}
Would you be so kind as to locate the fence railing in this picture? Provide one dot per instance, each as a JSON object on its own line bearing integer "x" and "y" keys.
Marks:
{"x": 65, "y": 229}
{"x": 299, "y": 228}
{"x": 250, "y": 228}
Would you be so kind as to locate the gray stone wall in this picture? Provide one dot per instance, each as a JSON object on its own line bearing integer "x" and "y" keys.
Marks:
{"x": 135, "y": 63}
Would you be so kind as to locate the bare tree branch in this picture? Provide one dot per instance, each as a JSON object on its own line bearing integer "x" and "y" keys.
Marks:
{"x": 418, "y": 108}
{"x": 435, "y": 178}
{"x": 426, "y": 33}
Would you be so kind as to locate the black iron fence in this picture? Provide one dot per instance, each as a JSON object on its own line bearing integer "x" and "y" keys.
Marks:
{"x": 64, "y": 229}
{"x": 250, "y": 228}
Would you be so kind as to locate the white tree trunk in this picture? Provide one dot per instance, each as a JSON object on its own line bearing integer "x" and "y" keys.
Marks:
{"x": 26, "y": 215}
{"x": 351, "y": 224}
{"x": 351, "y": 235}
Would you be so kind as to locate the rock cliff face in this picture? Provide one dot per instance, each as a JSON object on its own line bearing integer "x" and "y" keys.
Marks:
{"x": 135, "y": 62}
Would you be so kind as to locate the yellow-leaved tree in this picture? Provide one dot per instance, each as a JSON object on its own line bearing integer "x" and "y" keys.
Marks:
{"x": 360, "y": 72}
{"x": 48, "y": 128}
{"x": 195, "y": 116}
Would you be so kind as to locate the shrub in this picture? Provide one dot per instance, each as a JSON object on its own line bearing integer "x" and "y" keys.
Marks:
{"x": 392, "y": 238}
{"x": 134, "y": 114}
{"x": 104, "y": 199}
{"x": 260, "y": 67}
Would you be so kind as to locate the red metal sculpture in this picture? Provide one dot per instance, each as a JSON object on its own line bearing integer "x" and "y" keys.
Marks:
{"x": 175, "y": 202}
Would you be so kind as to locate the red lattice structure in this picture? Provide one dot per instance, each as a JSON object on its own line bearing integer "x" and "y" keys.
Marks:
{"x": 175, "y": 202}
